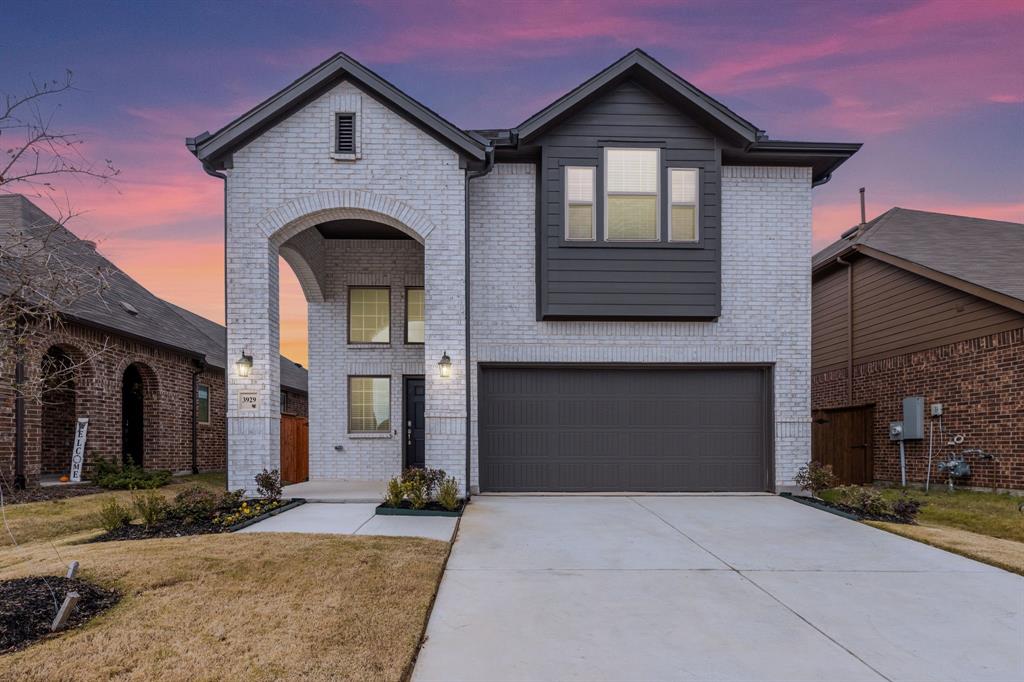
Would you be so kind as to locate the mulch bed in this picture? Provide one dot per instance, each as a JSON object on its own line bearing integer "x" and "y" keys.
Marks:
{"x": 859, "y": 514}
{"x": 50, "y": 492}
{"x": 172, "y": 528}
{"x": 430, "y": 507}
{"x": 27, "y": 607}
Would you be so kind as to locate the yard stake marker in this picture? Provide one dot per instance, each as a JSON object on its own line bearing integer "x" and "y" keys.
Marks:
{"x": 65, "y": 611}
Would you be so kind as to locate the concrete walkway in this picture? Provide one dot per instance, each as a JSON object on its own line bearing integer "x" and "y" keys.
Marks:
{"x": 337, "y": 490}
{"x": 354, "y": 519}
{"x": 710, "y": 588}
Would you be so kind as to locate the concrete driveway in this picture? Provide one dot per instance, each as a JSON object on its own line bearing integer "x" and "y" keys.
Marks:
{"x": 710, "y": 588}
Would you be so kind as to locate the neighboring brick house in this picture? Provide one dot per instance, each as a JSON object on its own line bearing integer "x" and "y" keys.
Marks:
{"x": 924, "y": 304}
{"x": 613, "y": 295}
{"x": 148, "y": 375}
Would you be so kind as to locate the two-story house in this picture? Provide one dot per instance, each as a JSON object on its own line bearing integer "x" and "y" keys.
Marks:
{"x": 614, "y": 295}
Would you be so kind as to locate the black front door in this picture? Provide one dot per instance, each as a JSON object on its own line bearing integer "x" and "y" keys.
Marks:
{"x": 415, "y": 401}
{"x": 132, "y": 417}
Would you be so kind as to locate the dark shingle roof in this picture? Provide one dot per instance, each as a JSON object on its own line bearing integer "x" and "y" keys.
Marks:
{"x": 986, "y": 253}
{"x": 293, "y": 375}
{"x": 123, "y": 306}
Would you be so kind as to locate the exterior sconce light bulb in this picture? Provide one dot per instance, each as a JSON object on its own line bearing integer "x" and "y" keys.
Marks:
{"x": 445, "y": 366}
{"x": 244, "y": 365}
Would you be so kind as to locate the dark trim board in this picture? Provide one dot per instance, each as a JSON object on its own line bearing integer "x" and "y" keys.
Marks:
{"x": 625, "y": 427}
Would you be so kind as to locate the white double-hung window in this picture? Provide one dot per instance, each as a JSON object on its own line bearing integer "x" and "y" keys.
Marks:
{"x": 632, "y": 206}
{"x": 580, "y": 213}
{"x": 684, "y": 205}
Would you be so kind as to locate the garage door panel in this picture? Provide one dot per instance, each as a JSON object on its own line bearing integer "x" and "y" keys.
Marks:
{"x": 609, "y": 429}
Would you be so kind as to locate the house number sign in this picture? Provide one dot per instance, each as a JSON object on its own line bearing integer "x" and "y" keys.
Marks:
{"x": 78, "y": 452}
{"x": 248, "y": 401}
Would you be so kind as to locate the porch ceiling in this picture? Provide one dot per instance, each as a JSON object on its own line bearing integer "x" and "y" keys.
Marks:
{"x": 355, "y": 228}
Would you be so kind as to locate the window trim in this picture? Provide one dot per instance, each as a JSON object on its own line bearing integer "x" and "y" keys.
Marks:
{"x": 568, "y": 203}
{"x": 658, "y": 194}
{"x": 406, "y": 320}
{"x": 348, "y": 401}
{"x": 348, "y": 315}
{"x": 199, "y": 400}
{"x": 697, "y": 232}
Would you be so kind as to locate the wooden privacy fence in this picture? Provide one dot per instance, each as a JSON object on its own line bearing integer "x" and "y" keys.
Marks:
{"x": 842, "y": 437}
{"x": 294, "y": 449}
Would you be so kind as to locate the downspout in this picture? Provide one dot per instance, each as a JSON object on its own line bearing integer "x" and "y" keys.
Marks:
{"x": 471, "y": 175}
{"x": 849, "y": 328}
{"x": 19, "y": 426}
{"x": 200, "y": 366}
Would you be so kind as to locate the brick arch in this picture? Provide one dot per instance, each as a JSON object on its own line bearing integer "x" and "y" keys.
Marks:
{"x": 288, "y": 220}
{"x": 64, "y": 394}
{"x": 153, "y": 457}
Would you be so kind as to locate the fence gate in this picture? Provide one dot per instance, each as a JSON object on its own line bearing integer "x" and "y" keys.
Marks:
{"x": 842, "y": 437}
{"x": 294, "y": 449}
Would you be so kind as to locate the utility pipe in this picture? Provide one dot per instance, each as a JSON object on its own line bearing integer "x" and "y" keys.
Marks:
{"x": 227, "y": 438}
{"x": 19, "y": 426}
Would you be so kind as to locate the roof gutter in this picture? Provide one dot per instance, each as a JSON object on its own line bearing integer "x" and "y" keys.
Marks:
{"x": 471, "y": 175}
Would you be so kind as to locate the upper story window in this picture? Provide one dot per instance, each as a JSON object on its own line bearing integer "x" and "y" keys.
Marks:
{"x": 684, "y": 207}
{"x": 369, "y": 315}
{"x": 631, "y": 194}
{"x": 414, "y": 314}
{"x": 580, "y": 213}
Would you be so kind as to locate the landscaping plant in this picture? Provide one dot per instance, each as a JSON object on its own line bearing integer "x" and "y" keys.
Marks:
{"x": 906, "y": 507}
{"x": 112, "y": 515}
{"x": 108, "y": 474}
{"x": 867, "y": 501}
{"x": 268, "y": 484}
{"x": 448, "y": 494}
{"x": 395, "y": 493}
{"x": 417, "y": 492}
{"x": 814, "y": 477}
{"x": 151, "y": 507}
{"x": 194, "y": 504}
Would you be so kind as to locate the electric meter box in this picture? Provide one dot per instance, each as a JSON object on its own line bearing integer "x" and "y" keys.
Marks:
{"x": 913, "y": 418}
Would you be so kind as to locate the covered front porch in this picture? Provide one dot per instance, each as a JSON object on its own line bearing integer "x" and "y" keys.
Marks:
{"x": 386, "y": 330}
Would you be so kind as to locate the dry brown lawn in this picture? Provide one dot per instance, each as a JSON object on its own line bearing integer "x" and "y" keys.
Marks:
{"x": 249, "y": 607}
{"x": 54, "y": 519}
{"x": 1006, "y": 554}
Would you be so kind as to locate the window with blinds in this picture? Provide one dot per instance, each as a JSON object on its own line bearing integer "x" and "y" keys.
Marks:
{"x": 580, "y": 218}
{"x": 345, "y": 133}
{"x": 684, "y": 204}
{"x": 631, "y": 187}
{"x": 369, "y": 315}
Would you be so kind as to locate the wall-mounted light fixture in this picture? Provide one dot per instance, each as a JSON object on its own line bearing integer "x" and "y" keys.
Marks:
{"x": 244, "y": 365}
{"x": 445, "y": 366}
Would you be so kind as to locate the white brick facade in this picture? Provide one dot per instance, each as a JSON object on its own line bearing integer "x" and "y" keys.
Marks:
{"x": 766, "y": 295}
{"x": 283, "y": 183}
{"x": 286, "y": 181}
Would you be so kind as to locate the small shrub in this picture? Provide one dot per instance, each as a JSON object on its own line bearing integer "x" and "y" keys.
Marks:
{"x": 151, "y": 507}
{"x": 415, "y": 491}
{"x": 194, "y": 504}
{"x": 268, "y": 484}
{"x": 448, "y": 494}
{"x": 108, "y": 475}
{"x": 815, "y": 477}
{"x": 231, "y": 499}
{"x": 429, "y": 479}
{"x": 865, "y": 500}
{"x": 906, "y": 508}
{"x": 395, "y": 493}
{"x": 112, "y": 515}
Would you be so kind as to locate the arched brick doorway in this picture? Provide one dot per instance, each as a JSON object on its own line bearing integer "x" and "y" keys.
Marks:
{"x": 133, "y": 416}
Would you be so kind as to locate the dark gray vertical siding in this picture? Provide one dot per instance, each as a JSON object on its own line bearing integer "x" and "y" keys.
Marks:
{"x": 628, "y": 281}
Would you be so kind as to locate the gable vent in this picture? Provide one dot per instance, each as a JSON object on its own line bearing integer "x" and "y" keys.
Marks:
{"x": 345, "y": 142}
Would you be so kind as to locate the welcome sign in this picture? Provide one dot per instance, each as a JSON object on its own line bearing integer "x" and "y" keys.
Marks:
{"x": 78, "y": 453}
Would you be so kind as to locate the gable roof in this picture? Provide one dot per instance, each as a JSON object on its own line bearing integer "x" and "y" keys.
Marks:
{"x": 214, "y": 343}
{"x": 152, "y": 319}
{"x": 213, "y": 149}
{"x": 979, "y": 256}
{"x": 640, "y": 65}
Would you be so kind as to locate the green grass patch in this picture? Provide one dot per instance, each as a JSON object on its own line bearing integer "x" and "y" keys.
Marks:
{"x": 993, "y": 514}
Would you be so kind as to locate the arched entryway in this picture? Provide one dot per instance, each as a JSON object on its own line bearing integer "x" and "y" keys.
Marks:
{"x": 58, "y": 410}
{"x": 133, "y": 416}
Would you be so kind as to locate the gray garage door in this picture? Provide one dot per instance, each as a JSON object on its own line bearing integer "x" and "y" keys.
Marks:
{"x": 623, "y": 429}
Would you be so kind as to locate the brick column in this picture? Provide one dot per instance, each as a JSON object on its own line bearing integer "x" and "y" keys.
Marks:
{"x": 252, "y": 323}
{"x": 445, "y": 277}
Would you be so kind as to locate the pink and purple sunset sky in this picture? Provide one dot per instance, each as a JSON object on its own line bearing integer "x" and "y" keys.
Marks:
{"x": 933, "y": 88}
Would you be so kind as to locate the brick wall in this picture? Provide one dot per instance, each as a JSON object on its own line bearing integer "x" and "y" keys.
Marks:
{"x": 766, "y": 243}
{"x": 296, "y": 404}
{"x": 167, "y": 380}
{"x": 979, "y": 382}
